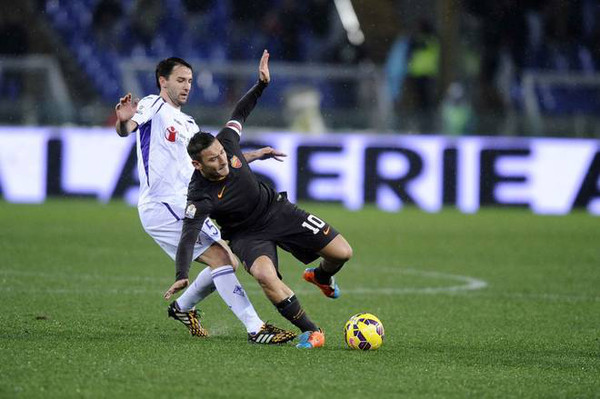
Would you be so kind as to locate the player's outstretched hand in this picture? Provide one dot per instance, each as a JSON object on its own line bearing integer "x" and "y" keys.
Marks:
{"x": 263, "y": 68}
{"x": 126, "y": 108}
{"x": 176, "y": 287}
{"x": 268, "y": 153}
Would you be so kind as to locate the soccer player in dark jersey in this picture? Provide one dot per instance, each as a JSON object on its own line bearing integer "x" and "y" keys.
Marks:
{"x": 256, "y": 219}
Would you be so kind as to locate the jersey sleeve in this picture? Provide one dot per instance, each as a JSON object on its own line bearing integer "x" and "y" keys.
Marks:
{"x": 195, "y": 215}
{"x": 244, "y": 107}
{"x": 230, "y": 140}
{"x": 147, "y": 108}
{"x": 231, "y": 133}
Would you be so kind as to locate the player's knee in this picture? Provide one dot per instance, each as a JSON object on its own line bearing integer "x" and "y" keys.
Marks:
{"x": 343, "y": 252}
{"x": 348, "y": 253}
{"x": 263, "y": 274}
{"x": 337, "y": 251}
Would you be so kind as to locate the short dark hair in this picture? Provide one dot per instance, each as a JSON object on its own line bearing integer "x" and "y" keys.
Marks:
{"x": 165, "y": 67}
{"x": 199, "y": 142}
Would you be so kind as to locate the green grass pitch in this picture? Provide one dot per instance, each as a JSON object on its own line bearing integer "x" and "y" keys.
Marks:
{"x": 502, "y": 303}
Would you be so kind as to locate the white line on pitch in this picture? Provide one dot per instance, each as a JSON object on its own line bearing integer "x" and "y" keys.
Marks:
{"x": 468, "y": 283}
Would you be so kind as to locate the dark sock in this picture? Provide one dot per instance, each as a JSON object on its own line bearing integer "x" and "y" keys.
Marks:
{"x": 322, "y": 276}
{"x": 291, "y": 309}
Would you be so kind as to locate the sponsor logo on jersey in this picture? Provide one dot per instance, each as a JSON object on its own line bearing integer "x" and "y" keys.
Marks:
{"x": 235, "y": 162}
{"x": 190, "y": 211}
{"x": 220, "y": 194}
{"x": 171, "y": 134}
{"x": 326, "y": 230}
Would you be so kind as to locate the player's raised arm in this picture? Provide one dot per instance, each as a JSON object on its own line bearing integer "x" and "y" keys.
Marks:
{"x": 125, "y": 110}
{"x": 247, "y": 103}
{"x": 263, "y": 68}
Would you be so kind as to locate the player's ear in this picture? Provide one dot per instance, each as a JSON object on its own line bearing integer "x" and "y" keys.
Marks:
{"x": 197, "y": 165}
{"x": 162, "y": 80}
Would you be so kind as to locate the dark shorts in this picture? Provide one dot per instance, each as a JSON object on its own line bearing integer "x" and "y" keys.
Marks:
{"x": 288, "y": 227}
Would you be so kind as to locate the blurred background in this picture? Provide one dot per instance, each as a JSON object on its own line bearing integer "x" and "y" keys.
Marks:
{"x": 453, "y": 67}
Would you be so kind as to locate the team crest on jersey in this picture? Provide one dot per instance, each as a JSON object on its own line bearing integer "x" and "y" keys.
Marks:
{"x": 190, "y": 211}
{"x": 171, "y": 134}
{"x": 235, "y": 162}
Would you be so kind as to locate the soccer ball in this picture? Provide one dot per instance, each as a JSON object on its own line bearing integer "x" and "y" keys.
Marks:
{"x": 364, "y": 331}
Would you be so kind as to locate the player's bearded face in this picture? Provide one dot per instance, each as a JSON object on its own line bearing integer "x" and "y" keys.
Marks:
{"x": 178, "y": 85}
{"x": 213, "y": 164}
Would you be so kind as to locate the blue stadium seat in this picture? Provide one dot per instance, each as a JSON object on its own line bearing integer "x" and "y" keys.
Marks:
{"x": 73, "y": 21}
{"x": 560, "y": 99}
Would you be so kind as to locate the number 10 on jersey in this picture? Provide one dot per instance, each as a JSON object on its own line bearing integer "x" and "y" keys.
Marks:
{"x": 313, "y": 223}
